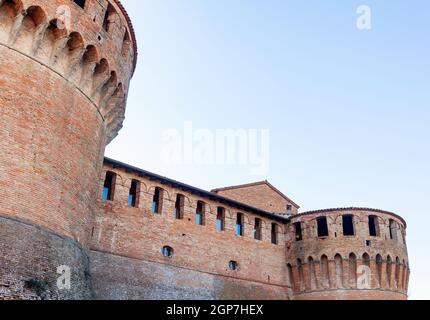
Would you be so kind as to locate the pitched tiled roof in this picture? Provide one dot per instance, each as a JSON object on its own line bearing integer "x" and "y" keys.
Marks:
{"x": 265, "y": 182}
{"x": 196, "y": 191}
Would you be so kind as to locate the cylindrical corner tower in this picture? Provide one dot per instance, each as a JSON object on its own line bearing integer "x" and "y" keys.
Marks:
{"x": 65, "y": 69}
{"x": 348, "y": 254}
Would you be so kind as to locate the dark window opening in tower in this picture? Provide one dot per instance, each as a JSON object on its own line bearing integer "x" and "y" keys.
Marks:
{"x": 80, "y": 3}
{"x": 348, "y": 225}
{"x": 157, "y": 201}
{"x": 200, "y": 213}
{"x": 179, "y": 207}
{"x": 298, "y": 230}
{"x": 322, "y": 227}
{"x": 220, "y": 219}
{"x": 258, "y": 229}
{"x": 109, "y": 187}
{"x": 275, "y": 231}
{"x": 373, "y": 226}
{"x": 289, "y": 208}
{"x": 133, "y": 195}
{"x": 110, "y": 17}
{"x": 239, "y": 225}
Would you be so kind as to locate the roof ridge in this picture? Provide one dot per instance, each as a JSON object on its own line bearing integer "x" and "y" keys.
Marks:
{"x": 266, "y": 182}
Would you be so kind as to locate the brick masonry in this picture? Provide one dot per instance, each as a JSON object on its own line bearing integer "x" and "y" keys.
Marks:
{"x": 63, "y": 97}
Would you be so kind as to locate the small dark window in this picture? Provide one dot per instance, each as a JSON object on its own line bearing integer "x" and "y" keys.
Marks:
{"x": 348, "y": 225}
{"x": 80, "y": 3}
{"x": 298, "y": 230}
{"x": 322, "y": 227}
{"x": 110, "y": 17}
{"x": 179, "y": 207}
{"x": 275, "y": 231}
{"x": 373, "y": 226}
{"x": 233, "y": 265}
{"x": 220, "y": 219}
{"x": 109, "y": 186}
{"x": 289, "y": 207}
{"x": 167, "y": 251}
{"x": 239, "y": 225}
{"x": 368, "y": 243}
{"x": 157, "y": 201}
{"x": 258, "y": 229}
{"x": 200, "y": 213}
{"x": 133, "y": 195}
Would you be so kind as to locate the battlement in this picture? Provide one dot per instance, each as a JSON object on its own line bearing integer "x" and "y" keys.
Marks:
{"x": 90, "y": 43}
{"x": 328, "y": 252}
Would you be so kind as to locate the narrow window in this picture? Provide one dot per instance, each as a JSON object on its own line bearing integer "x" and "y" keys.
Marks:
{"x": 393, "y": 230}
{"x": 80, "y": 3}
{"x": 233, "y": 265}
{"x": 379, "y": 263}
{"x": 167, "y": 251}
{"x": 179, "y": 207}
{"x": 157, "y": 201}
{"x": 257, "y": 229}
{"x": 133, "y": 195}
{"x": 239, "y": 225}
{"x": 220, "y": 219}
{"x": 322, "y": 227}
{"x": 289, "y": 208}
{"x": 200, "y": 213}
{"x": 348, "y": 225}
{"x": 109, "y": 186}
{"x": 109, "y": 18}
{"x": 275, "y": 231}
{"x": 298, "y": 230}
{"x": 373, "y": 226}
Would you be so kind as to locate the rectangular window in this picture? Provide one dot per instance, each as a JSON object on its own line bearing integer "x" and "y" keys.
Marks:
{"x": 298, "y": 230}
{"x": 275, "y": 231}
{"x": 157, "y": 201}
{"x": 239, "y": 225}
{"x": 220, "y": 219}
{"x": 373, "y": 226}
{"x": 200, "y": 213}
{"x": 348, "y": 225}
{"x": 258, "y": 229}
{"x": 109, "y": 187}
{"x": 133, "y": 195}
{"x": 179, "y": 207}
{"x": 289, "y": 208}
{"x": 322, "y": 227}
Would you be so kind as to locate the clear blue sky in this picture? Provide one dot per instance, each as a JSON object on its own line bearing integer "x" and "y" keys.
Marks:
{"x": 348, "y": 110}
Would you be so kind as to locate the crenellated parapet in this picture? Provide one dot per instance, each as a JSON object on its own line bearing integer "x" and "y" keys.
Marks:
{"x": 350, "y": 253}
{"x": 89, "y": 43}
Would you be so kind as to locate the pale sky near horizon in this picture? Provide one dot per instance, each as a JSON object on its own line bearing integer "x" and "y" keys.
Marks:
{"x": 347, "y": 110}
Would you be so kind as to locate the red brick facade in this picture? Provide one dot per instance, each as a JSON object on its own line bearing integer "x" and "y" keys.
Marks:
{"x": 64, "y": 88}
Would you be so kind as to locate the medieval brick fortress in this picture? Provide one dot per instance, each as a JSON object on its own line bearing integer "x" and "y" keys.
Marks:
{"x": 126, "y": 233}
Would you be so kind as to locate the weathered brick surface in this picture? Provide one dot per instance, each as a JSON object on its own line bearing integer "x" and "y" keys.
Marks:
{"x": 63, "y": 94}
{"x": 122, "y": 278}
{"x": 29, "y": 259}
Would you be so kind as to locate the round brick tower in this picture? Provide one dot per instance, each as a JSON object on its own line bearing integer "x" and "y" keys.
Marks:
{"x": 65, "y": 69}
{"x": 350, "y": 254}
